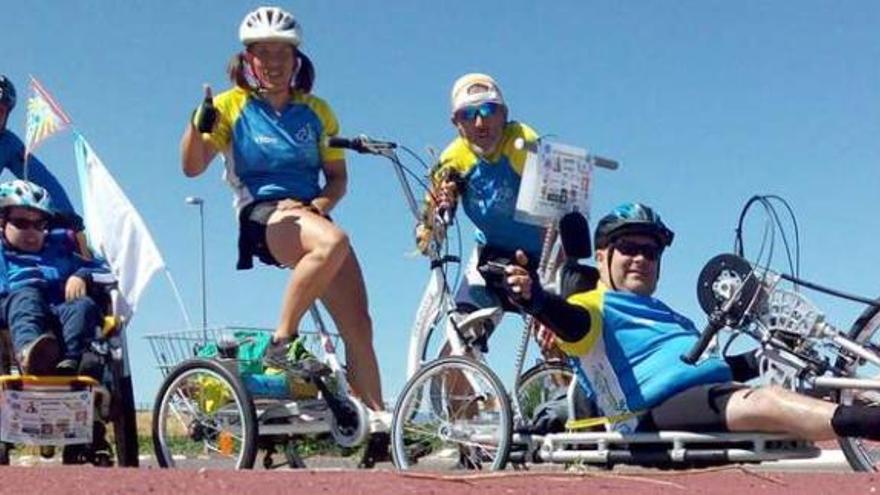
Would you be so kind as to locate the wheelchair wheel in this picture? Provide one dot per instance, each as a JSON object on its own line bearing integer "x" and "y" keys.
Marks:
{"x": 123, "y": 416}
{"x": 863, "y": 454}
{"x": 470, "y": 430}
{"x": 543, "y": 382}
{"x": 204, "y": 417}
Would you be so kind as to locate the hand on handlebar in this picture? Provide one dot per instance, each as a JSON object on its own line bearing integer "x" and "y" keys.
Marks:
{"x": 447, "y": 195}
{"x": 424, "y": 233}
{"x": 518, "y": 278}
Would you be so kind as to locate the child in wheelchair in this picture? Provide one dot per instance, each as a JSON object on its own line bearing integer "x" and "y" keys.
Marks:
{"x": 46, "y": 291}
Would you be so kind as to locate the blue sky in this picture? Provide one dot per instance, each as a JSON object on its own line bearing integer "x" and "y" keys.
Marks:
{"x": 704, "y": 103}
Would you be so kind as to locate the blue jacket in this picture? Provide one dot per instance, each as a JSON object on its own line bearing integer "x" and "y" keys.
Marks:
{"x": 50, "y": 268}
{"x": 12, "y": 159}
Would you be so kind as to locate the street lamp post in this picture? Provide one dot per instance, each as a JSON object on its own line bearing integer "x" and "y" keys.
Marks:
{"x": 197, "y": 201}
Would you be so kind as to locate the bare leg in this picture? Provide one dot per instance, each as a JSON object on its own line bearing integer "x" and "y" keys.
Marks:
{"x": 346, "y": 300}
{"x": 774, "y": 409}
{"x": 316, "y": 248}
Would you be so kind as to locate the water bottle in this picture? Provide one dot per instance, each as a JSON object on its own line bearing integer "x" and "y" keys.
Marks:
{"x": 267, "y": 386}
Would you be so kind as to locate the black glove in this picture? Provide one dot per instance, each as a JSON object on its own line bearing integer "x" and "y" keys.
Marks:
{"x": 205, "y": 116}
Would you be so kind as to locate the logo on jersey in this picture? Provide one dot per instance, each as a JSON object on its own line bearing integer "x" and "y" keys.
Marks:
{"x": 304, "y": 135}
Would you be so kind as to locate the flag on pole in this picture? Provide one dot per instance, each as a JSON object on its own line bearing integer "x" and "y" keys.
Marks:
{"x": 44, "y": 117}
{"x": 115, "y": 229}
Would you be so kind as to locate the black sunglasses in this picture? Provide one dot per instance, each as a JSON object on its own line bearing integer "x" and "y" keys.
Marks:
{"x": 629, "y": 248}
{"x": 21, "y": 223}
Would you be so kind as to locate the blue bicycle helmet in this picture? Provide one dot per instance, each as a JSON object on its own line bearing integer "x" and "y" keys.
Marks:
{"x": 632, "y": 218}
{"x": 25, "y": 194}
{"x": 7, "y": 93}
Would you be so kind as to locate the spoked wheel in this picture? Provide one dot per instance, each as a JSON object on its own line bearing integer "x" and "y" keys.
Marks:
{"x": 204, "y": 417}
{"x": 540, "y": 384}
{"x": 863, "y": 454}
{"x": 471, "y": 427}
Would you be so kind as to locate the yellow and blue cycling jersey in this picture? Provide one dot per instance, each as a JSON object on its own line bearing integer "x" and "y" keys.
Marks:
{"x": 630, "y": 357}
{"x": 492, "y": 186}
{"x": 273, "y": 154}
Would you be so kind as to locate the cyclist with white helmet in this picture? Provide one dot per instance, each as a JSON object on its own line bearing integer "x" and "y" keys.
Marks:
{"x": 12, "y": 159}
{"x": 272, "y": 133}
{"x": 483, "y": 166}
{"x": 628, "y": 344}
{"x": 44, "y": 284}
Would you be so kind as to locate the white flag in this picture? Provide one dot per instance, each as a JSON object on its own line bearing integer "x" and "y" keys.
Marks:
{"x": 115, "y": 229}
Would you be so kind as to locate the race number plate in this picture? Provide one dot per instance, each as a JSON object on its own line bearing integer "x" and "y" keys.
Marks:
{"x": 46, "y": 417}
{"x": 556, "y": 180}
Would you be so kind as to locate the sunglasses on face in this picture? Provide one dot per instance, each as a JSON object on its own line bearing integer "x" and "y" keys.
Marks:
{"x": 25, "y": 224}
{"x": 632, "y": 249}
{"x": 484, "y": 110}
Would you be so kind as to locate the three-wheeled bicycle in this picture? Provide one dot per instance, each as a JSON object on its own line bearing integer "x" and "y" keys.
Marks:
{"x": 454, "y": 410}
{"x": 796, "y": 349}
{"x": 219, "y": 407}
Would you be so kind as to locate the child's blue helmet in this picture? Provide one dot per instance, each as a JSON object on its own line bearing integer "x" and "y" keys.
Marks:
{"x": 25, "y": 194}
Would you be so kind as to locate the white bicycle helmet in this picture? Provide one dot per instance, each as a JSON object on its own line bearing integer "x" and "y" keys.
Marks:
{"x": 270, "y": 24}
{"x": 25, "y": 194}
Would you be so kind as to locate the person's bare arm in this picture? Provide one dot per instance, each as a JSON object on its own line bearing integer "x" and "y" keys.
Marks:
{"x": 196, "y": 152}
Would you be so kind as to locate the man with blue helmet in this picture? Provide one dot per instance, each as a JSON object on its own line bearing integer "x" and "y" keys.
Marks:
{"x": 628, "y": 344}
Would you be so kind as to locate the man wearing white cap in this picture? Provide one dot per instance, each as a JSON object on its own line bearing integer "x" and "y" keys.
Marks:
{"x": 483, "y": 166}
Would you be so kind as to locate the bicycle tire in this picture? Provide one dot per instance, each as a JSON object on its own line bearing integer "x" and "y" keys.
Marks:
{"x": 860, "y": 452}
{"x": 532, "y": 390}
{"x": 221, "y": 406}
{"x": 482, "y": 439}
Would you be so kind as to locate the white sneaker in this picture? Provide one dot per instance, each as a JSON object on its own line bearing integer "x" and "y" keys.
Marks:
{"x": 380, "y": 421}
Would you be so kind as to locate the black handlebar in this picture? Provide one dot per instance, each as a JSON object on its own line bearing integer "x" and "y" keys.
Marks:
{"x": 716, "y": 323}
{"x": 361, "y": 144}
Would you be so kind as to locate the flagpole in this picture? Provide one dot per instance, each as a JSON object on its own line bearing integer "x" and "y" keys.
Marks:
{"x": 179, "y": 299}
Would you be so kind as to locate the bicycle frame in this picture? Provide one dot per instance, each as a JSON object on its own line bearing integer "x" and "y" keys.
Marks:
{"x": 437, "y": 300}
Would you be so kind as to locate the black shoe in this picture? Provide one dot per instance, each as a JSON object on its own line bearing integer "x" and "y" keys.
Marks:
{"x": 91, "y": 365}
{"x": 40, "y": 355}
{"x": 376, "y": 450}
{"x": 67, "y": 367}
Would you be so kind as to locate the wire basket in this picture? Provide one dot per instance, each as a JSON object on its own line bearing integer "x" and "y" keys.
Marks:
{"x": 172, "y": 348}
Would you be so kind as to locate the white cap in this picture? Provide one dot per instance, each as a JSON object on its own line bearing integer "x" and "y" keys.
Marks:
{"x": 475, "y": 89}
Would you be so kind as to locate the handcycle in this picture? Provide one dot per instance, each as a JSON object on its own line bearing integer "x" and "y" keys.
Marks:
{"x": 444, "y": 361}
{"x": 72, "y": 411}
{"x": 796, "y": 349}
{"x": 216, "y": 407}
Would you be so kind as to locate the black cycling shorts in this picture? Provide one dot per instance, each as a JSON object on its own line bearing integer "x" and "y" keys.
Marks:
{"x": 698, "y": 409}
{"x": 252, "y": 243}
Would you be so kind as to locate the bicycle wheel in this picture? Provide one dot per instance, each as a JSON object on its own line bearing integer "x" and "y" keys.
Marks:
{"x": 473, "y": 428}
{"x": 863, "y": 454}
{"x": 543, "y": 382}
{"x": 204, "y": 417}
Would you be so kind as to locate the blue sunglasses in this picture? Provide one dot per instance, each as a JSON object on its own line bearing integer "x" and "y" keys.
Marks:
{"x": 484, "y": 110}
